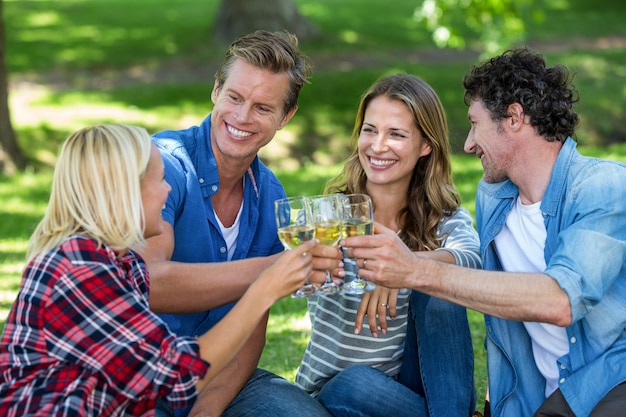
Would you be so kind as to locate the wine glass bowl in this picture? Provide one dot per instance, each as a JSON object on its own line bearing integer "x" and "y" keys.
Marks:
{"x": 295, "y": 226}
{"x": 358, "y": 220}
{"x": 326, "y": 211}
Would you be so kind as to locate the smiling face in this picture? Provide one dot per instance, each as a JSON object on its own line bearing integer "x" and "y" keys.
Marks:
{"x": 154, "y": 192}
{"x": 490, "y": 142}
{"x": 390, "y": 143}
{"x": 248, "y": 110}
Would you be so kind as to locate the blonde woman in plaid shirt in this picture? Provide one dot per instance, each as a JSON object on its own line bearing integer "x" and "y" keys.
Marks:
{"x": 80, "y": 339}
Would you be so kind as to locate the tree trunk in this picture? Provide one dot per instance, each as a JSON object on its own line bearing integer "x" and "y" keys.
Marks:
{"x": 238, "y": 17}
{"x": 11, "y": 156}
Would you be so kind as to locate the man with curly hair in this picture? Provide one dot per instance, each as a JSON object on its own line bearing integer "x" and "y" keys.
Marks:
{"x": 552, "y": 225}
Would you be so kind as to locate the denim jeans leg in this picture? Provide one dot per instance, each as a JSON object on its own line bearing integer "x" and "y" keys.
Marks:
{"x": 163, "y": 409}
{"x": 410, "y": 374}
{"x": 268, "y": 395}
{"x": 362, "y": 391}
{"x": 438, "y": 357}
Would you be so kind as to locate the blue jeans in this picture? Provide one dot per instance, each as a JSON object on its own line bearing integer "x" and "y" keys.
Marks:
{"x": 264, "y": 395}
{"x": 437, "y": 374}
{"x": 362, "y": 391}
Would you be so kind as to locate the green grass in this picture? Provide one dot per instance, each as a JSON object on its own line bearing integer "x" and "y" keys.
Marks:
{"x": 151, "y": 62}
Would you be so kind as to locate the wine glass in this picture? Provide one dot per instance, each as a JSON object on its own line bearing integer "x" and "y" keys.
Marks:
{"x": 358, "y": 220}
{"x": 295, "y": 226}
{"x": 327, "y": 229}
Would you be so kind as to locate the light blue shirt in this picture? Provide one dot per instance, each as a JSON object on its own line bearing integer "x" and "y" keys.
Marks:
{"x": 191, "y": 171}
{"x": 584, "y": 210}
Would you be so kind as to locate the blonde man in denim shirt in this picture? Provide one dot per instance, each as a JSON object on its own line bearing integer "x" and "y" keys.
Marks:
{"x": 552, "y": 225}
{"x": 219, "y": 227}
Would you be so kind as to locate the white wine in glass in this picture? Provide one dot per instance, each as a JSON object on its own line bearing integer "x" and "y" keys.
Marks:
{"x": 357, "y": 227}
{"x": 328, "y": 232}
{"x": 358, "y": 220}
{"x": 293, "y": 236}
{"x": 326, "y": 210}
{"x": 295, "y": 226}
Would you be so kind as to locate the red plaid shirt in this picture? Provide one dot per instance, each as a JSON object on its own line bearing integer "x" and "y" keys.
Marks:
{"x": 81, "y": 340}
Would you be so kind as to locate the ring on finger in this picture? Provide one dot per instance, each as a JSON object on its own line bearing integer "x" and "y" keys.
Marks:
{"x": 383, "y": 305}
{"x": 364, "y": 263}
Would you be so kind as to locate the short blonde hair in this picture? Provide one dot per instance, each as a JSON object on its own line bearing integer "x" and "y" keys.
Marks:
{"x": 96, "y": 189}
{"x": 273, "y": 51}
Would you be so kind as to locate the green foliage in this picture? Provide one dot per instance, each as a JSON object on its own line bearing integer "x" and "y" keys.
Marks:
{"x": 496, "y": 24}
{"x": 491, "y": 26}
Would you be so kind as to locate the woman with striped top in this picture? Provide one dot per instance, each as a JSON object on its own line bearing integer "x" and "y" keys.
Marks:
{"x": 415, "y": 357}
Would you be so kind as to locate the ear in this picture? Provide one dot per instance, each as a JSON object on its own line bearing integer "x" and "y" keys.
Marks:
{"x": 287, "y": 117}
{"x": 426, "y": 149}
{"x": 517, "y": 117}
{"x": 216, "y": 92}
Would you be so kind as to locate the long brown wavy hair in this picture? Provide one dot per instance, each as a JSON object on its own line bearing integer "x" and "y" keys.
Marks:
{"x": 432, "y": 193}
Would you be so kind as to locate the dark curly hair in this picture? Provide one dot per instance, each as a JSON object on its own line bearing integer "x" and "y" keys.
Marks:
{"x": 521, "y": 76}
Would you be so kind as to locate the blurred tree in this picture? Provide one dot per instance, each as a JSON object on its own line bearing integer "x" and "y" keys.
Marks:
{"x": 237, "y": 17}
{"x": 497, "y": 24}
{"x": 11, "y": 156}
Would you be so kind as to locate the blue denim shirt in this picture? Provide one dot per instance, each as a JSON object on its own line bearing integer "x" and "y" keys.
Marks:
{"x": 191, "y": 170}
{"x": 584, "y": 210}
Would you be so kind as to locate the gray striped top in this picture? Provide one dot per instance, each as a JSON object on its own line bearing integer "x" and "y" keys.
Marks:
{"x": 334, "y": 346}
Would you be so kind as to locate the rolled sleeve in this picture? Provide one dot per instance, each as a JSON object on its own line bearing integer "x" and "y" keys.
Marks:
{"x": 180, "y": 368}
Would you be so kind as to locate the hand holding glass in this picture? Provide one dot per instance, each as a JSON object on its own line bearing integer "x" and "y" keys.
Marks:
{"x": 295, "y": 225}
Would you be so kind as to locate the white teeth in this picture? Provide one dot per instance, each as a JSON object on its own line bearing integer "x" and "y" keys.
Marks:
{"x": 382, "y": 162}
{"x": 237, "y": 132}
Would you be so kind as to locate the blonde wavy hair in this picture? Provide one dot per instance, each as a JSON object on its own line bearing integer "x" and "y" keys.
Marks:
{"x": 432, "y": 193}
{"x": 96, "y": 189}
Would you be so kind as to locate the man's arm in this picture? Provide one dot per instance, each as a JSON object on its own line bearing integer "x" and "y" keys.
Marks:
{"x": 179, "y": 287}
{"x": 182, "y": 287}
{"x": 513, "y": 296}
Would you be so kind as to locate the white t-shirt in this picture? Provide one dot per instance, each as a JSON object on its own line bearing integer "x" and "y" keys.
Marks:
{"x": 230, "y": 233}
{"x": 520, "y": 246}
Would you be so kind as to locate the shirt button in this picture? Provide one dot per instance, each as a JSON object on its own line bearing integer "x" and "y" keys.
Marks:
{"x": 562, "y": 366}
{"x": 561, "y": 380}
{"x": 201, "y": 180}
{"x": 573, "y": 340}
{"x": 214, "y": 188}
{"x": 223, "y": 249}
